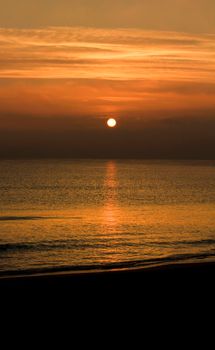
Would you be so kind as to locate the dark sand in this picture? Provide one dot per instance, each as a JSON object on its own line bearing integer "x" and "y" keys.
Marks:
{"x": 183, "y": 278}
{"x": 156, "y": 296}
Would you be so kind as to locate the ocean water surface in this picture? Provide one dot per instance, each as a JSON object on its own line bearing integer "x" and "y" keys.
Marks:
{"x": 86, "y": 214}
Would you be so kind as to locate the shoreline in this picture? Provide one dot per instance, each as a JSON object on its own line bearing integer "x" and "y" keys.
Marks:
{"x": 203, "y": 269}
{"x": 144, "y": 266}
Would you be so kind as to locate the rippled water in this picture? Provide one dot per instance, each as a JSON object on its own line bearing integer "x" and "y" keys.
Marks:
{"x": 59, "y": 214}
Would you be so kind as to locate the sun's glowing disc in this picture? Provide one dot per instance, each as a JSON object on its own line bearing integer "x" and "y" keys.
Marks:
{"x": 111, "y": 123}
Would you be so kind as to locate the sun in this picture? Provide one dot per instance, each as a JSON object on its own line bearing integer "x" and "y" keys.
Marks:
{"x": 111, "y": 123}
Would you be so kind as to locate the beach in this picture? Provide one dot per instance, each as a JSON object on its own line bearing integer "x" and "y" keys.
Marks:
{"x": 184, "y": 278}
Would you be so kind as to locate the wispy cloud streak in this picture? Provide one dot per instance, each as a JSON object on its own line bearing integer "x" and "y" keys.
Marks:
{"x": 132, "y": 73}
{"x": 119, "y": 54}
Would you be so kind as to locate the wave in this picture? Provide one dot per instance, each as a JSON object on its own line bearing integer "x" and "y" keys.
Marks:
{"x": 124, "y": 265}
{"x": 83, "y": 244}
{"x": 14, "y": 218}
{"x": 185, "y": 242}
{"x": 50, "y": 245}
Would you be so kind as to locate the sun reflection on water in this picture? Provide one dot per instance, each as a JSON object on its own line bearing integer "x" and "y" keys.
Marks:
{"x": 111, "y": 207}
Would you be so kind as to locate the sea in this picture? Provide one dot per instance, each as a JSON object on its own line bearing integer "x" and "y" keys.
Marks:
{"x": 73, "y": 215}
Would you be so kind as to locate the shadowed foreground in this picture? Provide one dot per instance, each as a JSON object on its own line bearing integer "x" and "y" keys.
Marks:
{"x": 189, "y": 280}
{"x": 172, "y": 293}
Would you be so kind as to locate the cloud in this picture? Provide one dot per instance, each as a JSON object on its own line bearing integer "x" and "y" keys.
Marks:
{"x": 58, "y": 86}
{"x": 120, "y": 54}
{"x": 89, "y": 71}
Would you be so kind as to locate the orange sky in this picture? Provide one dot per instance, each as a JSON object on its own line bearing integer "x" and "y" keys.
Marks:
{"x": 59, "y": 77}
{"x": 80, "y": 71}
{"x": 168, "y": 15}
